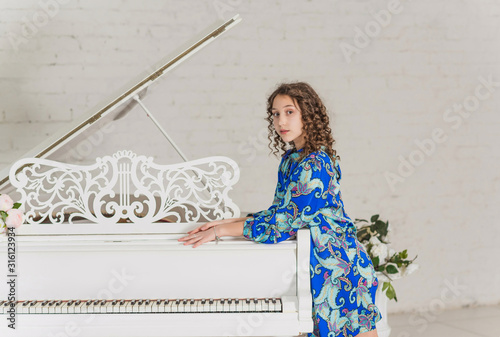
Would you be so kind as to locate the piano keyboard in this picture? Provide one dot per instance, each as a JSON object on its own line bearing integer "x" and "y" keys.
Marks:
{"x": 143, "y": 306}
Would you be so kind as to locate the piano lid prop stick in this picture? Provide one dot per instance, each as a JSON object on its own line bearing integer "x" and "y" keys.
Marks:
{"x": 208, "y": 193}
{"x": 150, "y": 115}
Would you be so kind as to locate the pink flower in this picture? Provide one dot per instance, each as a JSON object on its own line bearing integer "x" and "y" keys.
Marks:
{"x": 6, "y": 203}
{"x": 15, "y": 218}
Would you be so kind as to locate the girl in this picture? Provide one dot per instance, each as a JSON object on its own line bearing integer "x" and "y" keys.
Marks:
{"x": 343, "y": 281}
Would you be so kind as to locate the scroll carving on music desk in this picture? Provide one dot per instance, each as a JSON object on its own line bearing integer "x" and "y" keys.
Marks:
{"x": 126, "y": 186}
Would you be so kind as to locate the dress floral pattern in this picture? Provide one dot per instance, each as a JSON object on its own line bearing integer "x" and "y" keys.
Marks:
{"x": 343, "y": 281}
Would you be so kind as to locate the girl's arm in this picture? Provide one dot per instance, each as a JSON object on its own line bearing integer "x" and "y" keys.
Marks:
{"x": 207, "y": 232}
{"x": 216, "y": 223}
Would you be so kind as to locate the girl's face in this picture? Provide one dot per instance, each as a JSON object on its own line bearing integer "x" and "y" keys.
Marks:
{"x": 287, "y": 120}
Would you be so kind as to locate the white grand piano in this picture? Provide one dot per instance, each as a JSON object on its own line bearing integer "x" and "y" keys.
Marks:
{"x": 98, "y": 254}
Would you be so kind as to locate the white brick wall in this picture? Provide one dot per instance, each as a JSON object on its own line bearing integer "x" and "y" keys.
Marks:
{"x": 393, "y": 93}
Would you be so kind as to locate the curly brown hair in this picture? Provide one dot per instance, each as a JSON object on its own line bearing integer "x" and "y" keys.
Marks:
{"x": 315, "y": 120}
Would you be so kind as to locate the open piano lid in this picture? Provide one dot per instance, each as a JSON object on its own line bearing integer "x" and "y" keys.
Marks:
{"x": 121, "y": 98}
{"x": 153, "y": 222}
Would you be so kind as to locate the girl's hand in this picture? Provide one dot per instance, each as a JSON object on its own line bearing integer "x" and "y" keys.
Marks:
{"x": 197, "y": 237}
{"x": 206, "y": 233}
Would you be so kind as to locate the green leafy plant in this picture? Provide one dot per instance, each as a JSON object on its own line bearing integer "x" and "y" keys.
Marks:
{"x": 392, "y": 265}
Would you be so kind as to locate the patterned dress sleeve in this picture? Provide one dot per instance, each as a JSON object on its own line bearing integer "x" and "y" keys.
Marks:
{"x": 307, "y": 189}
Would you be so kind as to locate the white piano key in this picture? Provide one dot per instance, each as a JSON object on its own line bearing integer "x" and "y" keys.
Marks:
{"x": 58, "y": 307}
{"x": 51, "y": 307}
{"x": 36, "y": 308}
{"x": 5, "y": 306}
{"x": 239, "y": 305}
{"x": 265, "y": 305}
{"x": 232, "y": 305}
{"x": 155, "y": 306}
{"x": 204, "y": 306}
{"x": 125, "y": 306}
{"x": 44, "y": 307}
{"x": 84, "y": 307}
{"x": 141, "y": 306}
{"x": 102, "y": 307}
{"x": 78, "y": 307}
{"x": 213, "y": 305}
{"x": 161, "y": 306}
{"x": 69, "y": 307}
{"x": 135, "y": 306}
{"x": 258, "y": 305}
{"x": 23, "y": 308}
{"x": 9, "y": 305}
{"x": 271, "y": 305}
{"x": 114, "y": 307}
{"x": 110, "y": 307}
{"x": 197, "y": 306}
{"x": 277, "y": 306}
{"x": 184, "y": 306}
{"x": 220, "y": 305}
{"x": 120, "y": 307}
{"x": 246, "y": 305}
{"x": 251, "y": 306}
{"x": 175, "y": 306}
{"x": 94, "y": 307}
{"x": 33, "y": 306}
{"x": 168, "y": 306}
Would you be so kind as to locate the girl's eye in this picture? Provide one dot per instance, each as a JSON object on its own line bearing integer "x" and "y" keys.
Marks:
{"x": 276, "y": 114}
{"x": 289, "y": 112}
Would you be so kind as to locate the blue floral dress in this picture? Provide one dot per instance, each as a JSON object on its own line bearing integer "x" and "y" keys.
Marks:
{"x": 343, "y": 281}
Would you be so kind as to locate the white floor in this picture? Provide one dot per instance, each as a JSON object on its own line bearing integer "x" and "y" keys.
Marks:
{"x": 468, "y": 322}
